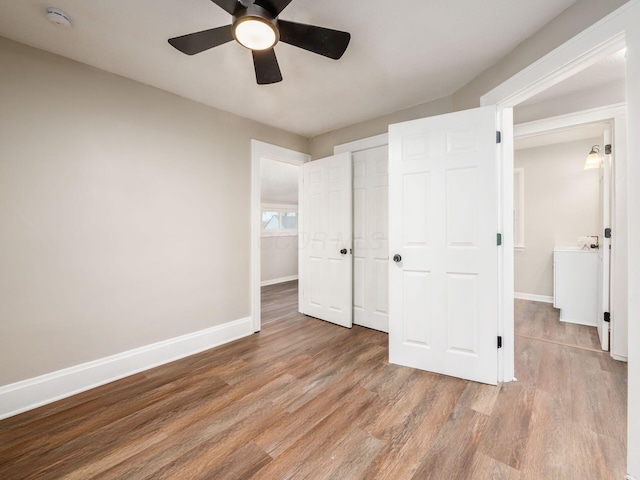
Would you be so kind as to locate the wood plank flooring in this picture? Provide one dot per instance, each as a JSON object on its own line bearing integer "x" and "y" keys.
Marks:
{"x": 304, "y": 399}
{"x": 542, "y": 322}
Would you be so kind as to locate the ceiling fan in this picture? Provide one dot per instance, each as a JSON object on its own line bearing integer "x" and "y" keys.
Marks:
{"x": 256, "y": 26}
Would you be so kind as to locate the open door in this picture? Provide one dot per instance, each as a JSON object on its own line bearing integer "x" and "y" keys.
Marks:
{"x": 325, "y": 240}
{"x": 443, "y": 226}
{"x": 604, "y": 253}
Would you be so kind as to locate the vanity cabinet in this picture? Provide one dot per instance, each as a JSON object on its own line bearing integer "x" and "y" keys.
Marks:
{"x": 575, "y": 285}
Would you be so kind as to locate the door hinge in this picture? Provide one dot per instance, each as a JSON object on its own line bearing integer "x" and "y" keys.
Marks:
{"x": 499, "y": 239}
{"x": 499, "y": 341}
{"x": 607, "y": 233}
{"x": 498, "y": 136}
{"x": 607, "y": 149}
{"x": 607, "y": 317}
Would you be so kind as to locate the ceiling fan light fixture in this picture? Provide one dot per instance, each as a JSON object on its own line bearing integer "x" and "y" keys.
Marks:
{"x": 255, "y": 29}
{"x": 255, "y": 34}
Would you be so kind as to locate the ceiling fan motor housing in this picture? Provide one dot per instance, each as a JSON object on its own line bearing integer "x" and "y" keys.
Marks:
{"x": 255, "y": 13}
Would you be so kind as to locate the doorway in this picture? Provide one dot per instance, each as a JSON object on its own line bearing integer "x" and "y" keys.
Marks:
{"x": 272, "y": 219}
{"x": 605, "y": 38}
{"x": 601, "y": 41}
{"x": 561, "y": 257}
{"x": 563, "y": 202}
{"x": 279, "y": 221}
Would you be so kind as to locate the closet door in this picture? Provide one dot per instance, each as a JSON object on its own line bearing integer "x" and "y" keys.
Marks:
{"x": 325, "y": 232}
{"x": 371, "y": 238}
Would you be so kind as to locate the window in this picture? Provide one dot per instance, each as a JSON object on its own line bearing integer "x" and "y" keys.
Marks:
{"x": 271, "y": 220}
{"x": 279, "y": 219}
{"x": 518, "y": 208}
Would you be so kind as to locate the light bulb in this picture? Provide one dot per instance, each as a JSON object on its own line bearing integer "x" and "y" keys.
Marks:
{"x": 593, "y": 159}
{"x": 255, "y": 34}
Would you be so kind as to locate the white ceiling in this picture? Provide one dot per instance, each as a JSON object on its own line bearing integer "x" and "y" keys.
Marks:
{"x": 401, "y": 53}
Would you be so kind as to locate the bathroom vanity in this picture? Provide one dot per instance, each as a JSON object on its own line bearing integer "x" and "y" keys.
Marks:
{"x": 575, "y": 284}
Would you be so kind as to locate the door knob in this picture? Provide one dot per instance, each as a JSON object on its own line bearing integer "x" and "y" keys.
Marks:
{"x": 343, "y": 251}
{"x": 397, "y": 258}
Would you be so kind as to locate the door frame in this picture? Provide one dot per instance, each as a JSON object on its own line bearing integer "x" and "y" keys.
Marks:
{"x": 280, "y": 154}
{"x": 617, "y": 30}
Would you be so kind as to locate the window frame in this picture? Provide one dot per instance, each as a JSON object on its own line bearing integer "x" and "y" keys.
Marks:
{"x": 280, "y": 209}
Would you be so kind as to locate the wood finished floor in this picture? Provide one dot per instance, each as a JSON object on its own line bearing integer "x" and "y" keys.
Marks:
{"x": 304, "y": 399}
{"x": 541, "y": 321}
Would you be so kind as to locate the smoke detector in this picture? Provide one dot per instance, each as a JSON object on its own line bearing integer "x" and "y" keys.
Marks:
{"x": 58, "y": 17}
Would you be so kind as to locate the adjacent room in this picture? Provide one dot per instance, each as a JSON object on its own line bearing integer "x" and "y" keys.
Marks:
{"x": 269, "y": 239}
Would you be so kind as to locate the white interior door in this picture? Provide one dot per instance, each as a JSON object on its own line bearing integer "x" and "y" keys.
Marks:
{"x": 371, "y": 238}
{"x": 325, "y": 239}
{"x": 443, "y": 224}
{"x": 604, "y": 253}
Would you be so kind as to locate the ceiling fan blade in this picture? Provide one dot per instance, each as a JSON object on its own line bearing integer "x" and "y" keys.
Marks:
{"x": 200, "y": 41}
{"x": 273, "y": 6}
{"x": 266, "y": 65}
{"x": 320, "y": 40}
{"x": 230, "y": 6}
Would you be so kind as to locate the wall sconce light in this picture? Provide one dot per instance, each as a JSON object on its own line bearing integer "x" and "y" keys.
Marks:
{"x": 593, "y": 159}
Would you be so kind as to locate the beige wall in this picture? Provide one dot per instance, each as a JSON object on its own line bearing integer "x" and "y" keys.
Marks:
{"x": 124, "y": 213}
{"x": 322, "y": 145}
{"x": 278, "y": 257}
{"x": 561, "y": 204}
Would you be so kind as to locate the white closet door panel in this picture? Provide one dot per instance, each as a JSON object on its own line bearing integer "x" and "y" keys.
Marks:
{"x": 371, "y": 233}
{"x": 326, "y": 216}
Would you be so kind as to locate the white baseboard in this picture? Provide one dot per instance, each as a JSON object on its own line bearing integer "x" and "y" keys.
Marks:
{"x": 28, "y": 394}
{"x": 576, "y": 322}
{"x": 533, "y": 297}
{"x": 619, "y": 358}
{"x": 278, "y": 280}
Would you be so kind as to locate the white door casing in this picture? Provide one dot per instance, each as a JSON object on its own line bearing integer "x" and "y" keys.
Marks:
{"x": 325, "y": 239}
{"x": 604, "y": 252}
{"x": 371, "y": 238}
{"x": 443, "y": 222}
{"x": 619, "y": 265}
